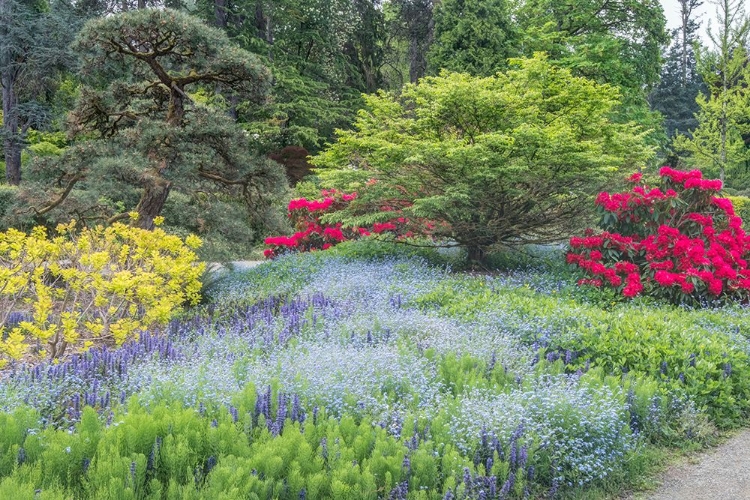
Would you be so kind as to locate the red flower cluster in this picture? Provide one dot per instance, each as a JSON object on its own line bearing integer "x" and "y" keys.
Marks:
{"x": 619, "y": 202}
{"x": 312, "y": 234}
{"x": 684, "y": 241}
{"x": 310, "y": 205}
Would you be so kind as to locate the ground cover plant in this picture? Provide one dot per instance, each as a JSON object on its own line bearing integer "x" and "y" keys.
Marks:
{"x": 333, "y": 375}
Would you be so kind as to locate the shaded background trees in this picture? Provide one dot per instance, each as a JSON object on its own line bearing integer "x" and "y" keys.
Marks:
{"x": 34, "y": 39}
{"x": 721, "y": 140}
{"x": 681, "y": 83}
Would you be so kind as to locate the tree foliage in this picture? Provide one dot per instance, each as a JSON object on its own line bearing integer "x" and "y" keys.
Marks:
{"x": 473, "y": 36}
{"x": 721, "y": 142}
{"x": 611, "y": 41}
{"x": 415, "y": 24}
{"x": 618, "y": 42}
{"x": 322, "y": 54}
{"x": 34, "y": 39}
{"x": 681, "y": 83}
{"x": 507, "y": 159}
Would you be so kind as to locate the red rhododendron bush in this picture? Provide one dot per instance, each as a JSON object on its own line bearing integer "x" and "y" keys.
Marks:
{"x": 681, "y": 242}
{"x": 314, "y": 234}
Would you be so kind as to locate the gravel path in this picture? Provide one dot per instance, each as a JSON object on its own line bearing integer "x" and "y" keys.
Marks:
{"x": 238, "y": 265}
{"x": 244, "y": 265}
{"x": 722, "y": 473}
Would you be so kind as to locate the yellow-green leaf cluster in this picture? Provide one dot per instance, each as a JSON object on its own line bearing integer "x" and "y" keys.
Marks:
{"x": 96, "y": 285}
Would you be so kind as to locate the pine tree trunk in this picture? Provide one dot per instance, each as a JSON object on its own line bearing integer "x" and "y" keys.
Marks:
{"x": 156, "y": 187}
{"x": 155, "y": 194}
{"x": 12, "y": 145}
{"x": 685, "y": 17}
{"x": 421, "y": 26}
{"x": 220, "y": 14}
{"x": 263, "y": 27}
{"x": 176, "y": 111}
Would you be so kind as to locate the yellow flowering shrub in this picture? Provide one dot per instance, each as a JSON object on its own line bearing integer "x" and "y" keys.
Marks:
{"x": 96, "y": 285}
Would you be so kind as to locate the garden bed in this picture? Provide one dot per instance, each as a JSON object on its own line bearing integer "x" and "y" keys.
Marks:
{"x": 325, "y": 376}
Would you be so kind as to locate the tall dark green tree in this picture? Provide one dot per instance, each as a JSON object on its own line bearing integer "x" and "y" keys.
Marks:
{"x": 143, "y": 135}
{"x": 34, "y": 37}
{"x": 364, "y": 46}
{"x": 415, "y": 23}
{"x": 473, "y": 36}
{"x": 675, "y": 95}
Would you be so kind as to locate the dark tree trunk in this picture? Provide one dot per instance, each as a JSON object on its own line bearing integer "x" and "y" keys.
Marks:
{"x": 686, "y": 11}
{"x": 12, "y": 143}
{"x": 233, "y": 102}
{"x": 476, "y": 254}
{"x": 417, "y": 60}
{"x": 156, "y": 188}
{"x": 420, "y": 25}
{"x": 176, "y": 111}
{"x": 220, "y": 14}
{"x": 155, "y": 194}
{"x": 263, "y": 26}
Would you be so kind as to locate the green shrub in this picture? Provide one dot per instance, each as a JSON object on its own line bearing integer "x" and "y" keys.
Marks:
{"x": 56, "y": 139}
{"x": 741, "y": 207}
{"x": 709, "y": 367}
{"x": 227, "y": 229}
{"x": 377, "y": 248}
{"x": 7, "y": 198}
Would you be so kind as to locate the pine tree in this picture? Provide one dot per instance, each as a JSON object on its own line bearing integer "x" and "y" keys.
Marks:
{"x": 473, "y": 36}
{"x": 681, "y": 83}
{"x": 34, "y": 38}
{"x": 139, "y": 69}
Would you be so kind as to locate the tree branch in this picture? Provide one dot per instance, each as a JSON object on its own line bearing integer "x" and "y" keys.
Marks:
{"x": 71, "y": 183}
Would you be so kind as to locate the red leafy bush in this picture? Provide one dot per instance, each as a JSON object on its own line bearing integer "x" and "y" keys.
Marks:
{"x": 681, "y": 242}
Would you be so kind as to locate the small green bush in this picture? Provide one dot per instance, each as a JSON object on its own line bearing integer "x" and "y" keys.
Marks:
{"x": 375, "y": 248}
{"x": 8, "y": 196}
{"x": 708, "y": 367}
{"x": 741, "y": 207}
